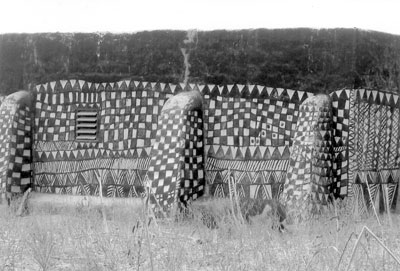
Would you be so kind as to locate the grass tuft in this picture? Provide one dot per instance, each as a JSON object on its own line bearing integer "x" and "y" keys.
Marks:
{"x": 206, "y": 237}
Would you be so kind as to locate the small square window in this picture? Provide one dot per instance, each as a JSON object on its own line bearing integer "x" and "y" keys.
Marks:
{"x": 86, "y": 124}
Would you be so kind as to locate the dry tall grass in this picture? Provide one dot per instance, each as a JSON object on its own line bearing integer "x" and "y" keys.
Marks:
{"x": 74, "y": 239}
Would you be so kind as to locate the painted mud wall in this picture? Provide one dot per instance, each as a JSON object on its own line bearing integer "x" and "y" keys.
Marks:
{"x": 367, "y": 145}
{"x": 131, "y": 130}
{"x": 245, "y": 131}
{"x": 317, "y": 61}
{"x": 127, "y": 114}
{"x": 252, "y": 143}
{"x": 15, "y": 143}
{"x": 248, "y": 134}
{"x": 301, "y": 59}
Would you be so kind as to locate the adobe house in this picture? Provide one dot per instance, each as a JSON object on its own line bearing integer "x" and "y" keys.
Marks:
{"x": 116, "y": 138}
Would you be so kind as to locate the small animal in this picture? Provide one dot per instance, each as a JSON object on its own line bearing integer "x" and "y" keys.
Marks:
{"x": 271, "y": 208}
{"x": 201, "y": 210}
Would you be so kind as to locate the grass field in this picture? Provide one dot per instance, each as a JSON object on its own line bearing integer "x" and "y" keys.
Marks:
{"x": 78, "y": 238}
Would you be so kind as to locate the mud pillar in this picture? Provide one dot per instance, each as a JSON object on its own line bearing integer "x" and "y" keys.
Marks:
{"x": 309, "y": 178}
{"x": 176, "y": 171}
{"x": 15, "y": 144}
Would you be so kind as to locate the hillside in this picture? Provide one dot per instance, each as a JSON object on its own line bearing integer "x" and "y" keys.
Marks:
{"x": 301, "y": 59}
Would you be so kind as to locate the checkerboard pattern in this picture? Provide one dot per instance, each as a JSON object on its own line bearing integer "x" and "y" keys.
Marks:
{"x": 192, "y": 177}
{"x": 250, "y": 129}
{"x": 6, "y": 122}
{"x": 15, "y": 146}
{"x": 128, "y": 112}
{"x": 20, "y": 159}
{"x": 176, "y": 167}
{"x": 167, "y": 158}
{"x": 54, "y": 122}
{"x": 309, "y": 176}
{"x": 127, "y": 125}
{"x": 249, "y": 122}
{"x": 341, "y": 140}
{"x": 130, "y": 118}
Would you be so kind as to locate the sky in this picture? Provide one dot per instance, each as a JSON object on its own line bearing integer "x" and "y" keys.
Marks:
{"x": 127, "y": 16}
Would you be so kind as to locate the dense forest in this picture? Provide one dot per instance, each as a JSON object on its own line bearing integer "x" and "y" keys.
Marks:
{"x": 302, "y": 59}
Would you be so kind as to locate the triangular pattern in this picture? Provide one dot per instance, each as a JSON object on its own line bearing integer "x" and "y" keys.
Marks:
{"x": 260, "y": 156}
